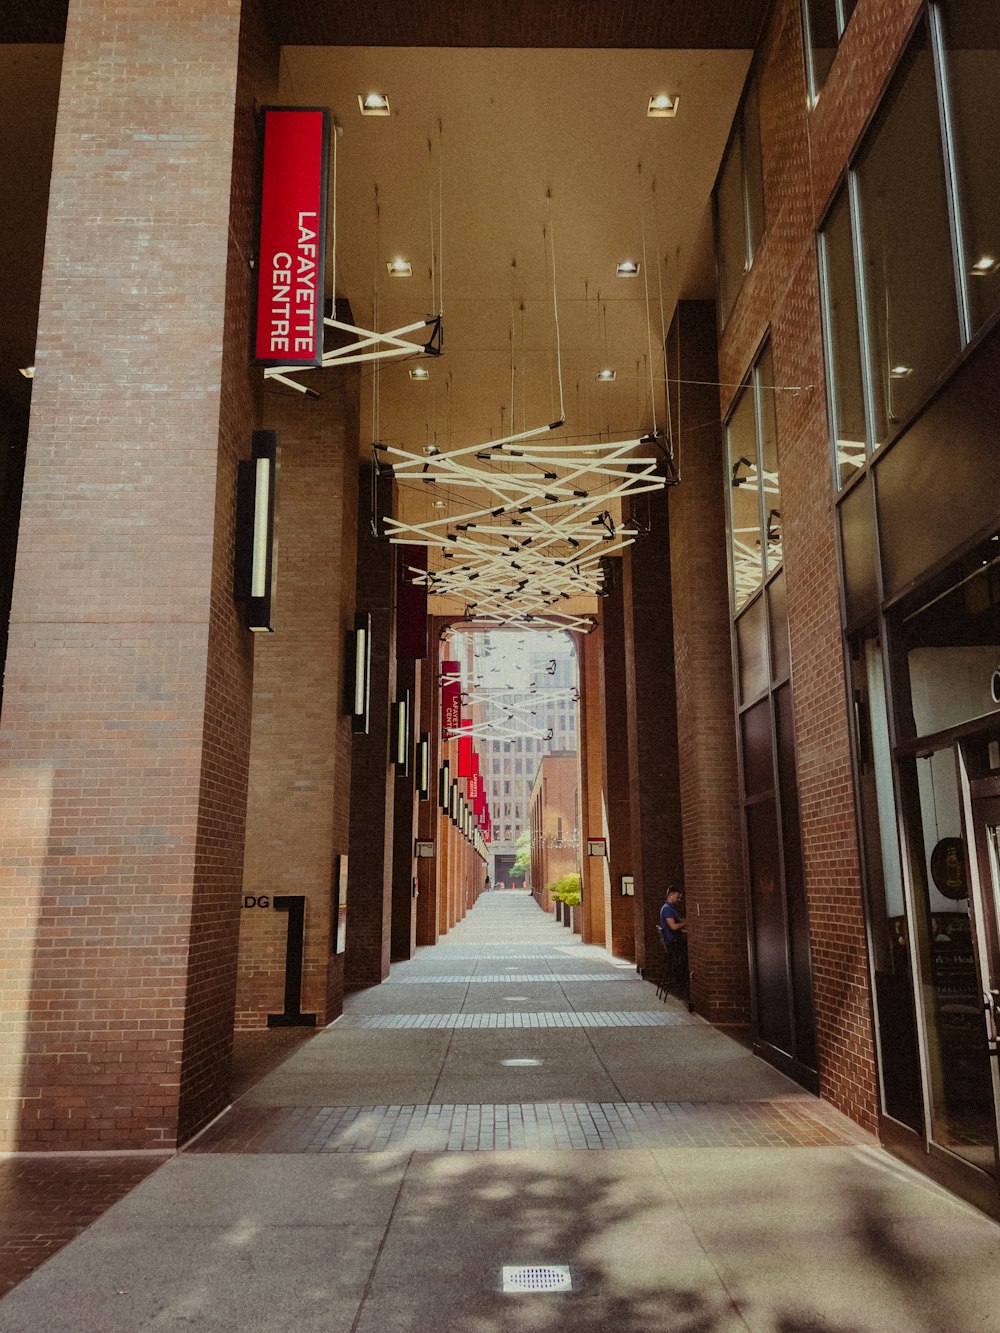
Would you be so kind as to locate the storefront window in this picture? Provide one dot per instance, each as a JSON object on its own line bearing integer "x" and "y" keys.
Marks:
{"x": 889, "y": 924}
{"x": 958, "y": 1061}
{"x": 952, "y": 646}
{"x": 847, "y": 408}
{"x": 972, "y": 41}
{"x": 909, "y": 277}
{"x": 770, "y": 479}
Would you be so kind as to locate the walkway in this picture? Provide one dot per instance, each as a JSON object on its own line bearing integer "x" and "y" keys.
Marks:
{"x": 515, "y": 1105}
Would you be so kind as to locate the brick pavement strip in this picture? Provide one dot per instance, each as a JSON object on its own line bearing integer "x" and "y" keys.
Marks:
{"x": 547, "y": 1125}
{"x": 623, "y": 1018}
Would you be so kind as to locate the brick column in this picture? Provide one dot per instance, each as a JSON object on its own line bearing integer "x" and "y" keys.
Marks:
{"x": 404, "y": 868}
{"x": 596, "y": 895}
{"x": 619, "y": 927}
{"x": 127, "y": 702}
{"x": 369, "y": 890}
{"x": 427, "y": 811}
{"x": 706, "y": 724}
{"x": 657, "y": 855}
{"x": 300, "y": 752}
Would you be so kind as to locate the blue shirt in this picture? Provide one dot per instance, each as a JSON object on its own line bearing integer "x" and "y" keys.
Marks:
{"x": 669, "y": 912}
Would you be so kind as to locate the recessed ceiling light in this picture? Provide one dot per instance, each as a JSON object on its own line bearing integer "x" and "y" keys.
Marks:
{"x": 901, "y": 372}
{"x": 983, "y": 265}
{"x": 606, "y": 374}
{"x": 662, "y": 104}
{"x": 28, "y": 372}
{"x": 628, "y": 268}
{"x": 438, "y": 504}
{"x": 373, "y": 104}
{"x": 420, "y": 373}
{"x": 399, "y": 268}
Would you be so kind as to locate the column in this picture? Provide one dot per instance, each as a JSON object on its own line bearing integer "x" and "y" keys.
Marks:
{"x": 595, "y": 879}
{"x": 619, "y": 910}
{"x": 127, "y": 703}
{"x": 706, "y": 724}
{"x": 657, "y": 854}
{"x": 300, "y": 747}
{"x": 369, "y": 889}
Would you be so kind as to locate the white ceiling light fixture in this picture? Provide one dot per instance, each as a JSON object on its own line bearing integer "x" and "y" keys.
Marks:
{"x": 373, "y": 104}
{"x": 901, "y": 372}
{"x": 28, "y": 372}
{"x": 607, "y": 375}
{"x": 420, "y": 373}
{"x": 663, "y": 104}
{"x": 983, "y": 265}
{"x": 399, "y": 268}
{"x": 628, "y": 268}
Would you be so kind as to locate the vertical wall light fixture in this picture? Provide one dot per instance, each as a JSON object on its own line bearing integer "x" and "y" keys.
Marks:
{"x": 359, "y": 671}
{"x": 444, "y": 786}
{"x": 424, "y": 766}
{"x": 401, "y": 734}
{"x": 253, "y": 560}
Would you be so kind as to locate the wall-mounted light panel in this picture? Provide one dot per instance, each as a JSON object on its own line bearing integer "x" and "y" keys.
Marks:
{"x": 253, "y": 558}
{"x": 358, "y": 673}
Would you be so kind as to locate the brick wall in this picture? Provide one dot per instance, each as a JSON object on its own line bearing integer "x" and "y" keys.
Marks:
{"x": 369, "y": 891}
{"x": 597, "y": 886}
{"x": 655, "y": 815}
{"x": 715, "y": 902}
{"x": 804, "y": 155}
{"x": 619, "y": 931}
{"x": 300, "y": 775}
{"x": 126, "y": 712}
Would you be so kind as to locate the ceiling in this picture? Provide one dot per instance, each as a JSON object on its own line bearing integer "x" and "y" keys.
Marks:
{"x": 514, "y": 181}
{"x": 519, "y": 165}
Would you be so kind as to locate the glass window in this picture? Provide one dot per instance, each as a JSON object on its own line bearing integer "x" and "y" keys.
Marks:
{"x": 909, "y": 279}
{"x": 888, "y": 917}
{"x": 769, "y": 460}
{"x": 753, "y": 168}
{"x": 972, "y": 39}
{"x": 843, "y": 340}
{"x": 755, "y": 490}
{"x": 739, "y": 202}
{"x": 824, "y": 22}
{"x": 821, "y": 40}
{"x": 730, "y": 222}
{"x": 747, "y": 552}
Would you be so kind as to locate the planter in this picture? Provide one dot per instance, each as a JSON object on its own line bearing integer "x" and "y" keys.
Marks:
{"x": 568, "y": 915}
{"x": 559, "y": 908}
{"x": 575, "y": 918}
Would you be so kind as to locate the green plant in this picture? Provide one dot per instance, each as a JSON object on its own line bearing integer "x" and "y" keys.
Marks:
{"x": 567, "y": 890}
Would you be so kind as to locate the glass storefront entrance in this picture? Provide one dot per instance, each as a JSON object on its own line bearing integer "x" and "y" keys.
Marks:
{"x": 927, "y": 722}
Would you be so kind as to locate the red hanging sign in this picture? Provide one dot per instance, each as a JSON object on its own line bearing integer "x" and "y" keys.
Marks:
{"x": 474, "y": 789}
{"x": 465, "y": 750}
{"x": 288, "y": 326}
{"x": 451, "y": 700}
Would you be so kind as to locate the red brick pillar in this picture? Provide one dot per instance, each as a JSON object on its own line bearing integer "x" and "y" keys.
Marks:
{"x": 369, "y": 890}
{"x": 300, "y": 750}
{"x": 427, "y": 811}
{"x": 657, "y": 854}
{"x": 620, "y": 911}
{"x": 127, "y": 701}
{"x": 404, "y": 868}
{"x": 595, "y": 898}
{"x": 706, "y": 724}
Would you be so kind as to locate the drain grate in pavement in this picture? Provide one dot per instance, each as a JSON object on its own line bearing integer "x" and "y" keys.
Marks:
{"x": 536, "y": 1277}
